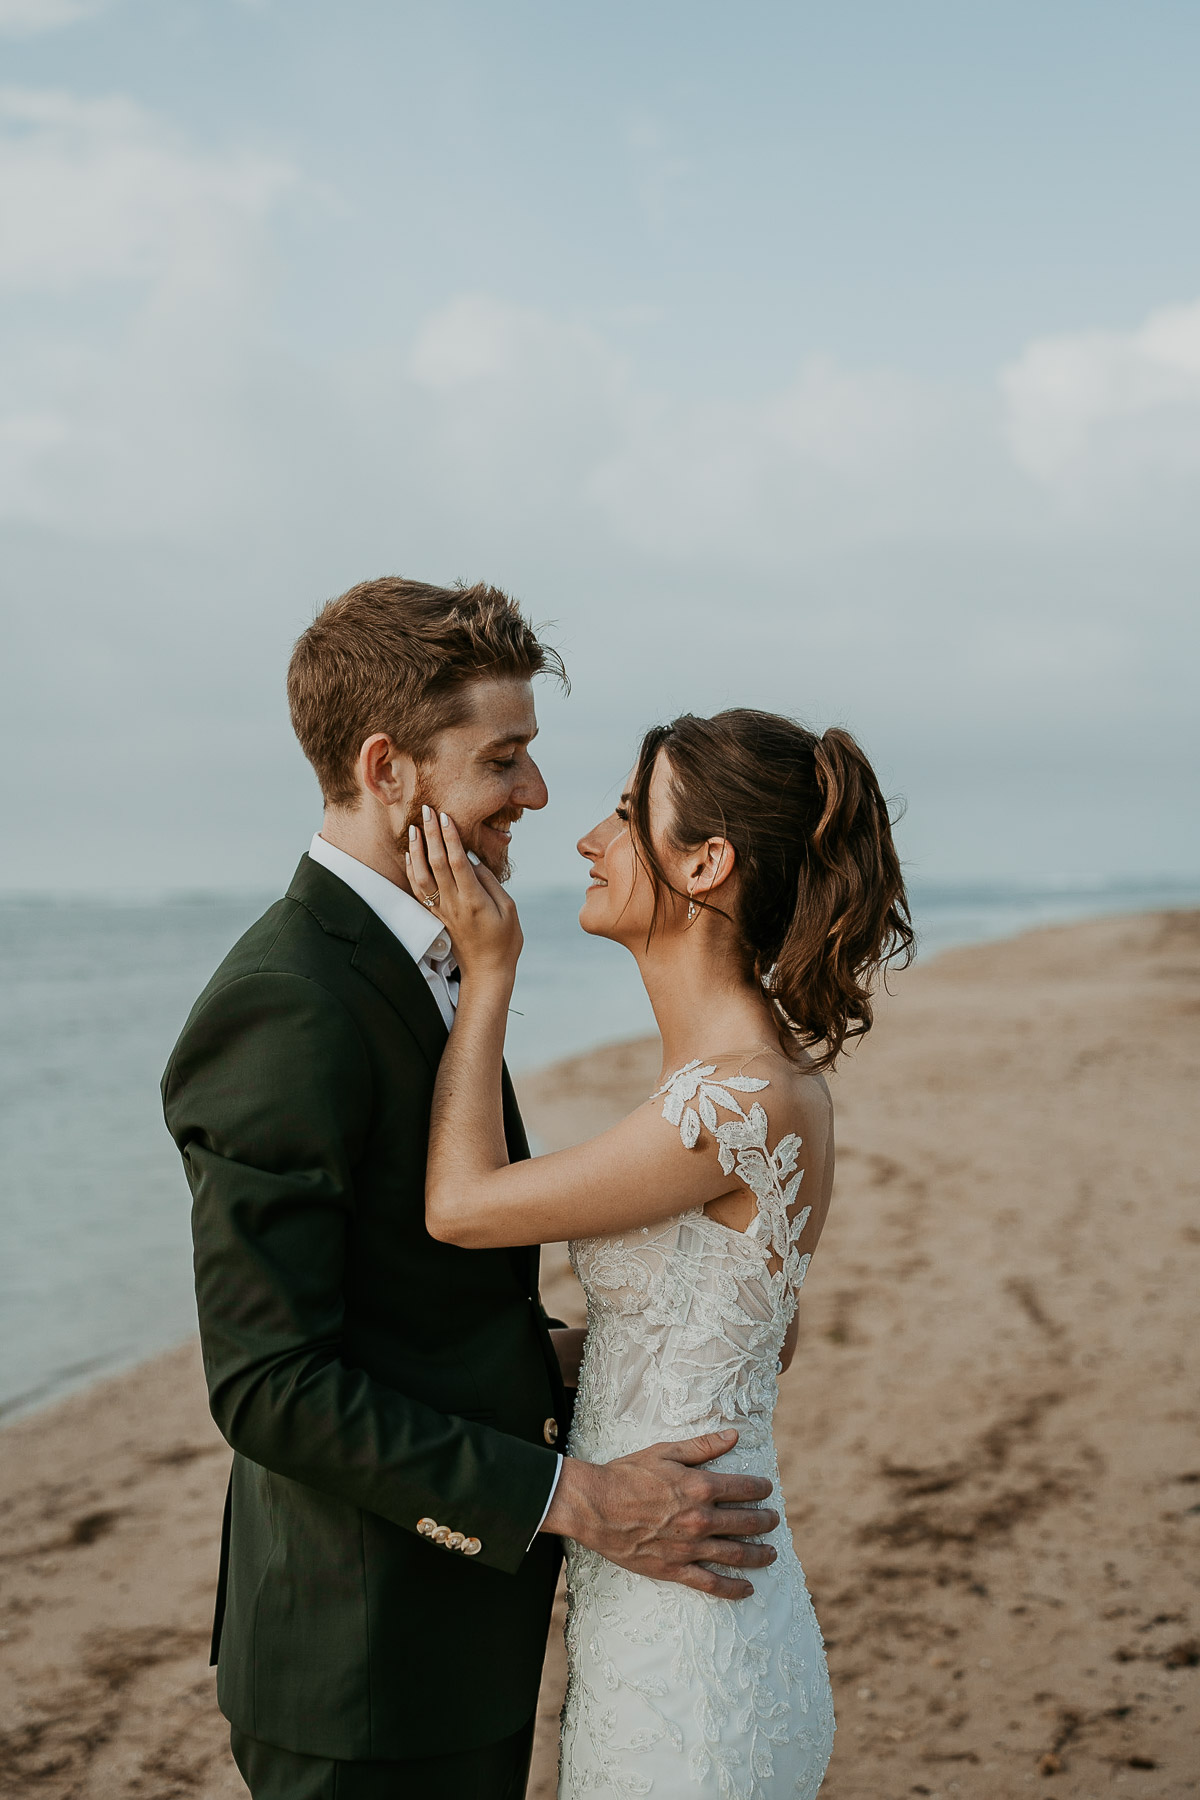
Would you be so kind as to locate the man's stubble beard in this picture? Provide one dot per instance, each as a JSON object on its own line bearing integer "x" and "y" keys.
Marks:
{"x": 422, "y": 797}
{"x": 505, "y": 869}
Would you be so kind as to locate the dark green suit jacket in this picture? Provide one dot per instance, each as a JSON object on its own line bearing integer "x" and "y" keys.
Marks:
{"x": 366, "y": 1376}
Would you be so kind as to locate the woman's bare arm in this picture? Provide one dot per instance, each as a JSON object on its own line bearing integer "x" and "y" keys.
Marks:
{"x": 635, "y": 1173}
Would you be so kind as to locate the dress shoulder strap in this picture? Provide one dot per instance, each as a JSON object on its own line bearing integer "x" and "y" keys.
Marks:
{"x": 691, "y": 1098}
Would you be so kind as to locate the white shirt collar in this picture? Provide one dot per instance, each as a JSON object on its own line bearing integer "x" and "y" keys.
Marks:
{"x": 423, "y": 936}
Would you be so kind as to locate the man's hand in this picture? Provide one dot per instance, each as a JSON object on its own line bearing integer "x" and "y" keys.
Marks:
{"x": 658, "y": 1514}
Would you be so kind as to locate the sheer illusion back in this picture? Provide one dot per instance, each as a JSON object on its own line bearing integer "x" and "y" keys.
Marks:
{"x": 671, "y": 1691}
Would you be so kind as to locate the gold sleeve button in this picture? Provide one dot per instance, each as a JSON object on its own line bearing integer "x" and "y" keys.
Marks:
{"x": 471, "y": 1547}
{"x": 441, "y": 1534}
{"x": 455, "y": 1541}
{"x": 426, "y": 1527}
{"x": 550, "y": 1431}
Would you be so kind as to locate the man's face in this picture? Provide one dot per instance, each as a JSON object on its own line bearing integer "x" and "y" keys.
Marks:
{"x": 481, "y": 772}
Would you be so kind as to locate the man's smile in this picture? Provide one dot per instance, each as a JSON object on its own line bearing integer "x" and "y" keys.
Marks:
{"x": 500, "y": 825}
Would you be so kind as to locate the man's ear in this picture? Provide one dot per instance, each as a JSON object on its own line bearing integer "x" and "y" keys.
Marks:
{"x": 388, "y": 775}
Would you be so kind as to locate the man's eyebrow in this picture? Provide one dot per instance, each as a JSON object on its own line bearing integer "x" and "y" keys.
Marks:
{"x": 512, "y": 737}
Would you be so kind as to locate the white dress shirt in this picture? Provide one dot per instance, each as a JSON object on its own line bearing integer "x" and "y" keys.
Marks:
{"x": 427, "y": 942}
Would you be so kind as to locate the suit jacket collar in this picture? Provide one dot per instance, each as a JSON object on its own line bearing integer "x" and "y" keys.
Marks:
{"x": 336, "y": 907}
{"x": 378, "y": 953}
{"x": 416, "y": 927}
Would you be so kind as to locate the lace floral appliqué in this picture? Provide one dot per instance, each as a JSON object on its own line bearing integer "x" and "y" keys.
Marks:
{"x": 692, "y": 1099}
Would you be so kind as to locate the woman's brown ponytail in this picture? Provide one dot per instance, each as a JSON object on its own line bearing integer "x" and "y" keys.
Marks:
{"x": 851, "y": 913}
{"x": 821, "y": 906}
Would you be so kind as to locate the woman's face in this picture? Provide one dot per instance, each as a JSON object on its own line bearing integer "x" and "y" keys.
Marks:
{"x": 619, "y": 902}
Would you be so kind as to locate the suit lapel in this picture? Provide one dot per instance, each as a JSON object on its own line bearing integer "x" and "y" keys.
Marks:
{"x": 525, "y": 1257}
{"x": 381, "y": 958}
{"x": 389, "y": 967}
{"x": 514, "y": 1126}
{"x": 385, "y": 962}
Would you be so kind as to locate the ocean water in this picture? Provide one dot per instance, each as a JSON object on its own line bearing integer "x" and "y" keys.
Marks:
{"x": 95, "y": 1261}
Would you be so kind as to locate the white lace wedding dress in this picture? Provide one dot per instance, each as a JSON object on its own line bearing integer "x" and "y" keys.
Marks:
{"x": 671, "y": 1692}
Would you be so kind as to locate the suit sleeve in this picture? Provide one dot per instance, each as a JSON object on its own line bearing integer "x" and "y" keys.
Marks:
{"x": 268, "y": 1097}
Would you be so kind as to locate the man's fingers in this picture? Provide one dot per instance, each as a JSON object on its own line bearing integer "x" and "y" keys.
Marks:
{"x": 736, "y": 1490}
{"x": 703, "y": 1449}
{"x": 750, "y": 1521}
{"x": 707, "y": 1581}
{"x": 735, "y": 1553}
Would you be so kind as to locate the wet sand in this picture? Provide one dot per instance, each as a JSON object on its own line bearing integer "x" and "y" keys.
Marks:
{"x": 988, "y": 1436}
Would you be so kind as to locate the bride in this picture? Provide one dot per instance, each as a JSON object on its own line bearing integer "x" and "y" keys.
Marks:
{"x": 749, "y": 868}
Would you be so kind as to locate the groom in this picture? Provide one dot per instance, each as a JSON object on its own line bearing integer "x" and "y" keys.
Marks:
{"x": 395, "y": 1404}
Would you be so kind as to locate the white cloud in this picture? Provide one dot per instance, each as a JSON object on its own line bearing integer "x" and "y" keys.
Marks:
{"x": 129, "y": 411}
{"x": 832, "y": 455}
{"x": 99, "y": 190}
{"x": 25, "y": 18}
{"x": 516, "y": 407}
{"x": 1110, "y": 416}
{"x": 526, "y": 411}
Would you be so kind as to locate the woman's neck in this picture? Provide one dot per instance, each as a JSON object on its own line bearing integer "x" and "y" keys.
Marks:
{"x": 702, "y": 1000}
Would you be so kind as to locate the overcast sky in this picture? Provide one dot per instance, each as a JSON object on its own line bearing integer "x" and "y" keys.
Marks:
{"x": 841, "y": 360}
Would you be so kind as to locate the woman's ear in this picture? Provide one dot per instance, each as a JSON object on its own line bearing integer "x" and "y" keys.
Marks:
{"x": 713, "y": 864}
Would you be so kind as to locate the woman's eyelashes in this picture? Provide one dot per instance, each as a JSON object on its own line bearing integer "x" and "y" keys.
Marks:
{"x": 622, "y": 813}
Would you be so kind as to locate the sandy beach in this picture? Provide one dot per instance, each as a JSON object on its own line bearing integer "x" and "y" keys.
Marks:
{"x": 988, "y": 1435}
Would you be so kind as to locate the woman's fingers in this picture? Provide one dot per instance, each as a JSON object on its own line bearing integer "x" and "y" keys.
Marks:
{"x": 470, "y": 902}
{"x": 439, "y": 863}
{"x": 435, "y": 850}
{"x": 490, "y": 885}
{"x": 456, "y": 856}
{"x": 453, "y": 870}
{"x": 419, "y": 873}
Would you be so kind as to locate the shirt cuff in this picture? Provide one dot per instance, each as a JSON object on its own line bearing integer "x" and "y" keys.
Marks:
{"x": 549, "y": 1500}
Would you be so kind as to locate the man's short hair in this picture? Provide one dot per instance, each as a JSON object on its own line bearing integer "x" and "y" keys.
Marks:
{"x": 396, "y": 656}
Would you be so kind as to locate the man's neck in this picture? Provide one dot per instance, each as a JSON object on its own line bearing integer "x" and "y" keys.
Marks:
{"x": 368, "y": 839}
